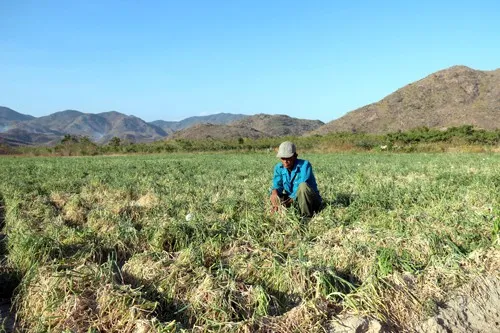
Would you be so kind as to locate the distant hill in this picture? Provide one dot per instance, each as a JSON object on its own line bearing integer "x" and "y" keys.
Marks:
{"x": 23, "y": 137}
{"x": 168, "y": 127}
{"x": 9, "y": 117}
{"x": 7, "y": 114}
{"x": 278, "y": 125}
{"x": 210, "y": 131}
{"x": 70, "y": 122}
{"x": 215, "y": 119}
{"x": 99, "y": 127}
{"x": 132, "y": 129}
{"x": 452, "y": 97}
{"x": 19, "y": 129}
{"x": 258, "y": 126}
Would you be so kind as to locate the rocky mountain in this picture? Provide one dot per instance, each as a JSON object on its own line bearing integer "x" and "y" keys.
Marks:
{"x": 130, "y": 128}
{"x": 257, "y": 126}
{"x": 102, "y": 127}
{"x": 278, "y": 125}
{"x": 99, "y": 127}
{"x": 211, "y": 131}
{"x": 452, "y": 97}
{"x": 215, "y": 119}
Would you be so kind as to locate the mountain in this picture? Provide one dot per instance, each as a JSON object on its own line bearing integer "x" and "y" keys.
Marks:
{"x": 452, "y": 97}
{"x": 258, "y": 126}
{"x": 100, "y": 127}
{"x": 9, "y": 117}
{"x": 72, "y": 122}
{"x": 131, "y": 128}
{"x": 211, "y": 131}
{"x": 20, "y": 129}
{"x": 278, "y": 125}
{"x": 23, "y": 137}
{"x": 7, "y": 114}
{"x": 168, "y": 127}
{"x": 215, "y": 119}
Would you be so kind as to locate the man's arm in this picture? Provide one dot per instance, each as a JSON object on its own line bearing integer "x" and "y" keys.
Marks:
{"x": 276, "y": 189}
{"x": 304, "y": 176}
{"x": 277, "y": 180}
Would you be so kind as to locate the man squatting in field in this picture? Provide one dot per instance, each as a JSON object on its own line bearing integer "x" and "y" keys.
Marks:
{"x": 294, "y": 183}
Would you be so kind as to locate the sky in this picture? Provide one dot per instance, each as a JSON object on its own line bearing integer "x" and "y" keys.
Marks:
{"x": 169, "y": 60}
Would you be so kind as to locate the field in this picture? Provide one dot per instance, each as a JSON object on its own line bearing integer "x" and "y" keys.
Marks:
{"x": 160, "y": 243}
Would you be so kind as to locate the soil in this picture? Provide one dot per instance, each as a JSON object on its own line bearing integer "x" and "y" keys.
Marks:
{"x": 474, "y": 308}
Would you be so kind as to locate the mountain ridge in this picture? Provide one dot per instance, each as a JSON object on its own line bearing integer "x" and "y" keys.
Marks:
{"x": 102, "y": 127}
{"x": 222, "y": 118}
{"x": 278, "y": 124}
{"x": 450, "y": 97}
{"x": 217, "y": 131}
{"x": 454, "y": 96}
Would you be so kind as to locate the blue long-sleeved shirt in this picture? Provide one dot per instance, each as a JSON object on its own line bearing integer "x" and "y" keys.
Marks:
{"x": 288, "y": 182}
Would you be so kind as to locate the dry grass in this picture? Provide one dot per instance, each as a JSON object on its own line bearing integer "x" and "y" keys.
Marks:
{"x": 398, "y": 234}
{"x": 81, "y": 299}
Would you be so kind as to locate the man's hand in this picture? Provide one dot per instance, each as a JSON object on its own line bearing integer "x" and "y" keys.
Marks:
{"x": 275, "y": 201}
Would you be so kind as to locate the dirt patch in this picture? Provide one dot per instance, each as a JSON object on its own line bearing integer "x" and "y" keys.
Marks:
{"x": 356, "y": 324}
{"x": 476, "y": 308}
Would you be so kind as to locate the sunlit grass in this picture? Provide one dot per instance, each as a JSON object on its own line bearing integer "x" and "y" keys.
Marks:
{"x": 397, "y": 234}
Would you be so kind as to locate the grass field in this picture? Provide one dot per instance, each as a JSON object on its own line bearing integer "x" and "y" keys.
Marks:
{"x": 186, "y": 242}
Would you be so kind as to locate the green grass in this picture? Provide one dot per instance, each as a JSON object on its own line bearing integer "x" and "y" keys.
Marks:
{"x": 109, "y": 236}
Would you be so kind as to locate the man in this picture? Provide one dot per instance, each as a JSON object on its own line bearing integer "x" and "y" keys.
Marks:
{"x": 294, "y": 183}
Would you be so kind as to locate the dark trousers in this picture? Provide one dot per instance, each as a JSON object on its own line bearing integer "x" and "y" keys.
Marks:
{"x": 308, "y": 202}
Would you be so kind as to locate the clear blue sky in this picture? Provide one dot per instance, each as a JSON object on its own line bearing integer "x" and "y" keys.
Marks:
{"x": 171, "y": 60}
